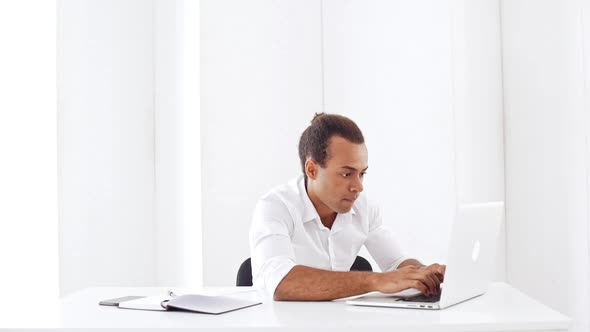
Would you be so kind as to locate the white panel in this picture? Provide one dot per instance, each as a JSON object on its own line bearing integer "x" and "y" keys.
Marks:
{"x": 260, "y": 86}
{"x": 177, "y": 143}
{"x": 106, "y": 143}
{"x": 192, "y": 227}
{"x": 546, "y": 154}
{"x": 28, "y": 164}
{"x": 388, "y": 67}
{"x": 477, "y": 104}
{"x": 582, "y": 307}
{"x": 168, "y": 38}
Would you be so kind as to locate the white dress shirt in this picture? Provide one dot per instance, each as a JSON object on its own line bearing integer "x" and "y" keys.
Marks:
{"x": 286, "y": 231}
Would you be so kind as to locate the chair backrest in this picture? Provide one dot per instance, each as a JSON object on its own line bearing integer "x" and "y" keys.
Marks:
{"x": 244, "y": 277}
{"x": 361, "y": 264}
{"x": 245, "y": 274}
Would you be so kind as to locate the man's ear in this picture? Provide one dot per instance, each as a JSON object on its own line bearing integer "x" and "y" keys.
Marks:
{"x": 311, "y": 169}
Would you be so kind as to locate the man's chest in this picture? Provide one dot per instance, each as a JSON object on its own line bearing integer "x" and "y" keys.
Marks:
{"x": 330, "y": 249}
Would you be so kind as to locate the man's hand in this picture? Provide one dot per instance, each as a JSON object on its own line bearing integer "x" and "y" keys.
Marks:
{"x": 438, "y": 269}
{"x": 424, "y": 279}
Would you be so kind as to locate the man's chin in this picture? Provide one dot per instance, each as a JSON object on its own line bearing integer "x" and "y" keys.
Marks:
{"x": 344, "y": 209}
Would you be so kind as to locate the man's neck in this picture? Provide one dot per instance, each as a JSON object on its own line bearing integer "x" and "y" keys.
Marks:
{"x": 327, "y": 216}
{"x": 329, "y": 221}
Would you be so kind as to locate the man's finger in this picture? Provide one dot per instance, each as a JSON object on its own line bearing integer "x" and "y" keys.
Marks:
{"x": 439, "y": 270}
{"x": 436, "y": 282}
{"x": 440, "y": 277}
{"x": 419, "y": 286}
{"x": 425, "y": 277}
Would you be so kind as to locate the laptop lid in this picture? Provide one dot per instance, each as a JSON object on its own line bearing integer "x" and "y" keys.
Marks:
{"x": 472, "y": 251}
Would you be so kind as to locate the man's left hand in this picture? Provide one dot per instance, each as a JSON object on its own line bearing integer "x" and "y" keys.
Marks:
{"x": 438, "y": 269}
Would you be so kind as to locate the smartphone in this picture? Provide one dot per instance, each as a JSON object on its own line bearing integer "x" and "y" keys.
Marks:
{"x": 115, "y": 302}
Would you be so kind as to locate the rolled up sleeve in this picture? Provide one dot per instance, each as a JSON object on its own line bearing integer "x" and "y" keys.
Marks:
{"x": 381, "y": 242}
{"x": 270, "y": 245}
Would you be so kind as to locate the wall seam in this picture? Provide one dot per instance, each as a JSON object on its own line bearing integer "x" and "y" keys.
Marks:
{"x": 453, "y": 43}
{"x": 504, "y": 140}
{"x": 155, "y": 209}
{"x": 59, "y": 127}
{"x": 585, "y": 128}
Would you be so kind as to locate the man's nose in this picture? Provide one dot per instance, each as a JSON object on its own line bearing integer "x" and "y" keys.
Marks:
{"x": 357, "y": 186}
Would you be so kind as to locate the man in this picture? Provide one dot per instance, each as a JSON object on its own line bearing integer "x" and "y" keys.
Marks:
{"x": 305, "y": 235}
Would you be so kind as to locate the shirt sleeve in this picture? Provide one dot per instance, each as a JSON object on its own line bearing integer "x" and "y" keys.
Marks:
{"x": 270, "y": 245}
{"x": 381, "y": 242}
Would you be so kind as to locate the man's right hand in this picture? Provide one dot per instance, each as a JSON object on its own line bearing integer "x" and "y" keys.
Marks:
{"x": 425, "y": 280}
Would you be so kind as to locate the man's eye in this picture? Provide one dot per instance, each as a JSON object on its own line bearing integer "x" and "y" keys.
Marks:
{"x": 345, "y": 175}
{"x": 363, "y": 174}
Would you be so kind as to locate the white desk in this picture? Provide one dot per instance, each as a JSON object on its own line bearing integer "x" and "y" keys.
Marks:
{"x": 502, "y": 308}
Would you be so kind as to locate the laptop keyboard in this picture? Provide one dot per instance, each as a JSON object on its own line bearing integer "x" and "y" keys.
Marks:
{"x": 422, "y": 298}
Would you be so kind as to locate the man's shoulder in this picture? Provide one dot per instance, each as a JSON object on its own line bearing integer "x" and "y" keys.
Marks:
{"x": 285, "y": 197}
{"x": 288, "y": 192}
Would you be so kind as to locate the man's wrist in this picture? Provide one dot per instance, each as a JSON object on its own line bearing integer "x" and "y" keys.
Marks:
{"x": 372, "y": 282}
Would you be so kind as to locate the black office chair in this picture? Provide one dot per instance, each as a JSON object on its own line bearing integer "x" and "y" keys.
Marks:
{"x": 244, "y": 277}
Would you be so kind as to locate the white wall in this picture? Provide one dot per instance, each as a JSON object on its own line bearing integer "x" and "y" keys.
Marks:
{"x": 28, "y": 164}
{"x": 129, "y": 143}
{"x": 478, "y": 107}
{"x": 387, "y": 65}
{"x": 267, "y": 66}
{"x": 546, "y": 61}
{"x": 423, "y": 80}
{"x": 416, "y": 77}
{"x": 106, "y": 143}
{"x": 260, "y": 85}
{"x": 177, "y": 143}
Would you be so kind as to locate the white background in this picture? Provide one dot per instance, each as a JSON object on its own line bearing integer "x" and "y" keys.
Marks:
{"x": 129, "y": 187}
{"x": 28, "y": 163}
{"x": 171, "y": 118}
{"x": 422, "y": 80}
{"x": 546, "y": 59}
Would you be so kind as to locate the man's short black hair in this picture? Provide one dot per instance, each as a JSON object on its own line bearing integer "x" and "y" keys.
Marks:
{"x": 315, "y": 138}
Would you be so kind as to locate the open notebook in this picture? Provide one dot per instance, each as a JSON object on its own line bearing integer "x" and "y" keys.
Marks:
{"x": 207, "y": 304}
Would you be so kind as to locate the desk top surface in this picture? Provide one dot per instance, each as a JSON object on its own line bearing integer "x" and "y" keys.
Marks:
{"x": 502, "y": 308}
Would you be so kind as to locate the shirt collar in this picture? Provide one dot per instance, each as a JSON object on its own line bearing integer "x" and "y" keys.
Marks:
{"x": 309, "y": 211}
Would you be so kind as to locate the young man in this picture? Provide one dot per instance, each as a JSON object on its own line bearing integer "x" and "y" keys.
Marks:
{"x": 306, "y": 234}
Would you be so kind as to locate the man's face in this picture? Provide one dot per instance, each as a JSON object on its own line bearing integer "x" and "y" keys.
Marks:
{"x": 340, "y": 182}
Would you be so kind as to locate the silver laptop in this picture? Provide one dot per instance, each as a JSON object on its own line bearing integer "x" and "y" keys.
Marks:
{"x": 471, "y": 257}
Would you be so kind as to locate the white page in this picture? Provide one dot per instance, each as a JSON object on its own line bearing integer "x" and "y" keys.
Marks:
{"x": 146, "y": 303}
{"x": 215, "y": 291}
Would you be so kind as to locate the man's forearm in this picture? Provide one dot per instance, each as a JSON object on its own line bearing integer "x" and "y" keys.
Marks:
{"x": 304, "y": 283}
